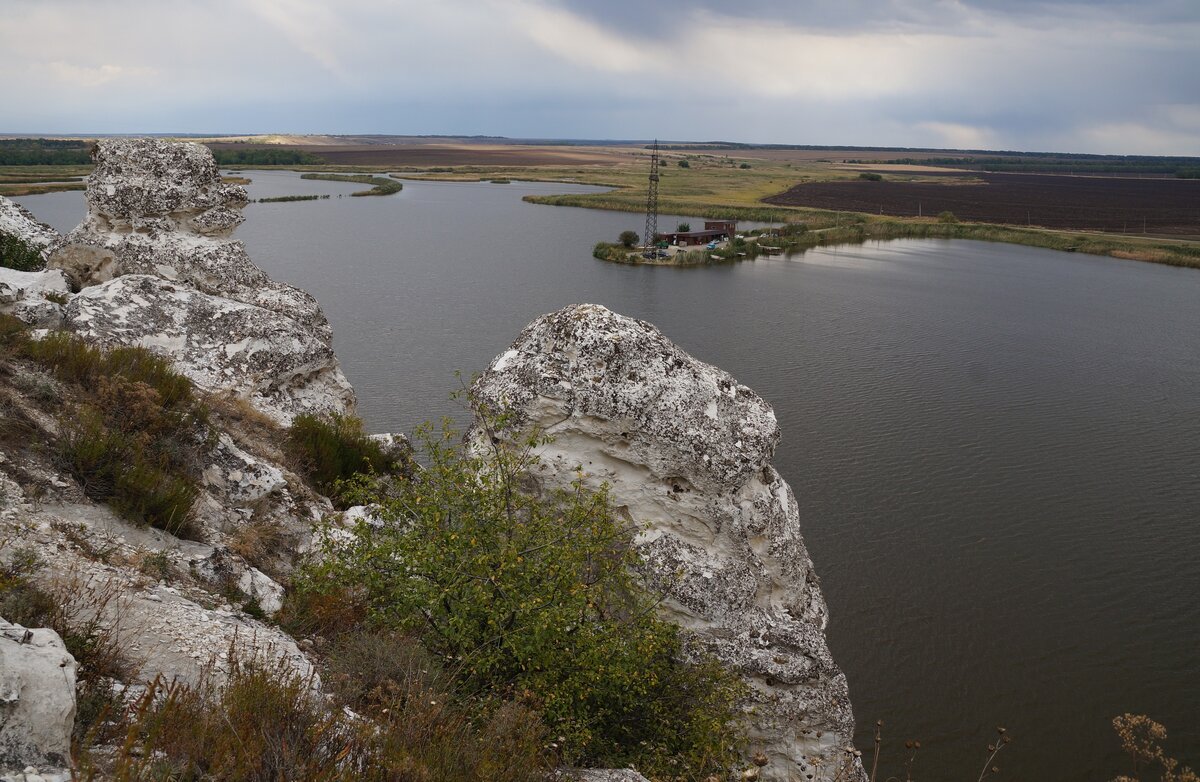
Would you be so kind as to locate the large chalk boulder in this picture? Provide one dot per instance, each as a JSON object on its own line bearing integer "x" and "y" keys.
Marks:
{"x": 158, "y": 211}
{"x": 686, "y": 451}
{"x": 37, "y": 698}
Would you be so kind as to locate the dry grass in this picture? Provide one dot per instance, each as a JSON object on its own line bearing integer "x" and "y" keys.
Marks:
{"x": 267, "y": 723}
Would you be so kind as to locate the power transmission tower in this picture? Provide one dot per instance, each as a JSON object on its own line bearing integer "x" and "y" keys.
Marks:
{"x": 652, "y": 204}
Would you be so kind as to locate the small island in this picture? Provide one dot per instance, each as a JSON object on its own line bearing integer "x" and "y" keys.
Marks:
{"x": 380, "y": 186}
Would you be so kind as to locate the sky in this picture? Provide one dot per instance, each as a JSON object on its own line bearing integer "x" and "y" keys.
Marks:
{"x": 1106, "y": 76}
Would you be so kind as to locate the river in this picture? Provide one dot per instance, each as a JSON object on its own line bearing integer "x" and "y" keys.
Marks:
{"x": 995, "y": 448}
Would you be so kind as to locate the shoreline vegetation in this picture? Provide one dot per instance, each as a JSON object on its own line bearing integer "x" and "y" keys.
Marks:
{"x": 281, "y": 199}
{"x": 854, "y": 228}
{"x": 380, "y": 186}
{"x": 711, "y": 181}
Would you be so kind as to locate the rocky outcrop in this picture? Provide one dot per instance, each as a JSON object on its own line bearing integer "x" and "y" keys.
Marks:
{"x": 686, "y": 451}
{"x": 219, "y": 343}
{"x": 15, "y": 220}
{"x": 37, "y": 698}
{"x": 159, "y": 214}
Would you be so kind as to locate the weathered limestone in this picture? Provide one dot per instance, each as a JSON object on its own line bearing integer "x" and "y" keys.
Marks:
{"x": 159, "y": 213}
{"x": 34, "y": 297}
{"x": 686, "y": 451}
{"x": 37, "y": 698}
{"x": 221, "y": 344}
{"x": 15, "y": 220}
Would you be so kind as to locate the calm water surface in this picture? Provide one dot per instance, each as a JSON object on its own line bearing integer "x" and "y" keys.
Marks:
{"x": 996, "y": 449}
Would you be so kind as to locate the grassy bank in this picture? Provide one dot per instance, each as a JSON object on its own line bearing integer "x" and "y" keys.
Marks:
{"x": 829, "y": 228}
{"x": 380, "y": 186}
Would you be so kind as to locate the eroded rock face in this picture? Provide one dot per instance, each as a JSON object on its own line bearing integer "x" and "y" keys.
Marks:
{"x": 16, "y": 220}
{"x": 37, "y": 698}
{"x": 158, "y": 211}
{"x": 687, "y": 452}
{"x": 221, "y": 344}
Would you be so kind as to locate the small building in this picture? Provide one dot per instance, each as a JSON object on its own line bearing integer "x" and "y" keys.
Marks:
{"x": 714, "y": 231}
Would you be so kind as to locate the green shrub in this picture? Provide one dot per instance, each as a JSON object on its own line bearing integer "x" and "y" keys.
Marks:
{"x": 745, "y": 165}
{"x": 128, "y": 469}
{"x": 871, "y": 176}
{"x": 134, "y": 442}
{"x": 628, "y": 238}
{"x": 17, "y": 254}
{"x": 947, "y": 217}
{"x": 332, "y": 449}
{"x": 684, "y": 164}
{"x": 536, "y": 594}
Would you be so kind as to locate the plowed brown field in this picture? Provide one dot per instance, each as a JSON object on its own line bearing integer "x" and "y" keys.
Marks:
{"x": 1166, "y": 207}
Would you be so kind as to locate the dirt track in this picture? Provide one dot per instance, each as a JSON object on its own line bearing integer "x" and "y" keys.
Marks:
{"x": 1169, "y": 207}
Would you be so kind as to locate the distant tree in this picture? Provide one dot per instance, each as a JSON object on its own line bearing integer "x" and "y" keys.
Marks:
{"x": 947, "y": 217}
{"x": 744, "y": 165}
{"x": 871, "y": 176}
{"x": 684, "y": 164}
{"x": 662, "y": 162}
{"x": 683, "y": 227}
{"x": 628, "y": 238}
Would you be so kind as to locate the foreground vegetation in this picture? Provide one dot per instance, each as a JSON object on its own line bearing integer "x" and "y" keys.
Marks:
{"x": 380, "y": 185}
{"x": 131, "y": 428}
{"x": 16, "y": 253}
{"x": 527, "y": 599}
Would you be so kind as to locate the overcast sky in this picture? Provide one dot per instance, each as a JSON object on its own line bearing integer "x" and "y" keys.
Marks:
{"x": 1113, "y": 77}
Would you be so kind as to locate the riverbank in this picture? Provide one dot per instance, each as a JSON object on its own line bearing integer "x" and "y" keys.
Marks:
{"x": 831, "y": 228}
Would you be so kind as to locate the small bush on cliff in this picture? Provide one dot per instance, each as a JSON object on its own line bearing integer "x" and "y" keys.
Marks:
{"x": 534, "y": 597}
{"x": 17, "y": 254}
{"x": 134, "y": 437}
{"x": 332, "y": 449}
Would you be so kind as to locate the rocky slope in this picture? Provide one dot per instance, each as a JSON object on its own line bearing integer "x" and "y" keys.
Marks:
{"x": 686, "y": 451}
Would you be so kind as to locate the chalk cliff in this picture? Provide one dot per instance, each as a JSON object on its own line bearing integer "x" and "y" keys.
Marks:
{"x": 686, "y": 451}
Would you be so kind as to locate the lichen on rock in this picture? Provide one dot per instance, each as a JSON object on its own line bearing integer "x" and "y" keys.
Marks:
{"x": 686, "y": 452}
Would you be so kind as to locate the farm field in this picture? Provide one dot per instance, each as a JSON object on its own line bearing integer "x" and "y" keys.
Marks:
{"x": 1156, "y": 206}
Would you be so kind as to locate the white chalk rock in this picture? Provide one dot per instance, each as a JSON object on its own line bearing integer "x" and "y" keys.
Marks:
{"x": 222, "y": 345}
{"x": 34, "y": 296}
{"x": 239, "y": 477}
{"x": 37, "y": 698}
{"x": 686, "y": 451}
{"x": 159, "y": 209}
